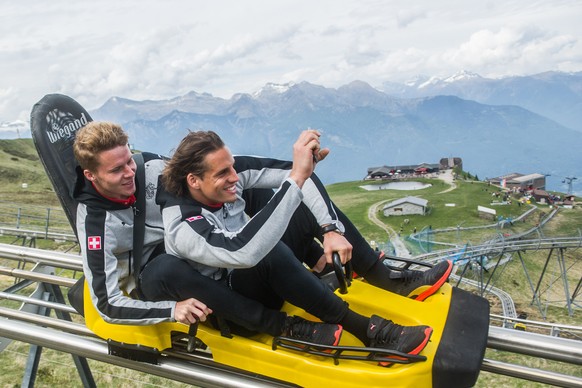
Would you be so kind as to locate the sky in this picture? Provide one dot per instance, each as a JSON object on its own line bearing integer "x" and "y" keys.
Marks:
{"x": 146, "y": 49}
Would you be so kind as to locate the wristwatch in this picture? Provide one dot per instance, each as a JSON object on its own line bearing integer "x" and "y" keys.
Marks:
{"x": 331, "y": 228}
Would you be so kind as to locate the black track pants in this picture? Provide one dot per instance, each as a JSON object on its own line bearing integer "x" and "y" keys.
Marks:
{"x": 167, "y": 277}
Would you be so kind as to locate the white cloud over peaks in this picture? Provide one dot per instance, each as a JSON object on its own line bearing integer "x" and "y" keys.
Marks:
{"x": 133, "y": 65}
{"x": 492, "y": 51}
{"x": 147, "y": 49}
{"x": 171, "y": 63}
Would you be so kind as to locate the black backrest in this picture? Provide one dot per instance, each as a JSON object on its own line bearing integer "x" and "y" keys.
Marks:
{"x": 54, "y": 122}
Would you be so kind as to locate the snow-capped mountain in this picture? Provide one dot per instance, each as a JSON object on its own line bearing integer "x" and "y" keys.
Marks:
{"x": 516, "y": 124}
{"x": 555, "y": 95}
{"x": 364, "y": 127}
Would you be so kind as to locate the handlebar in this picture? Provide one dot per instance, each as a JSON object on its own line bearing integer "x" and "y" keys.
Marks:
{"x": 344, "y": 273}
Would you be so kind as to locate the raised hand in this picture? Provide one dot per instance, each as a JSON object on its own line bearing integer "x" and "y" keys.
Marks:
{"x": 306, "y": 153}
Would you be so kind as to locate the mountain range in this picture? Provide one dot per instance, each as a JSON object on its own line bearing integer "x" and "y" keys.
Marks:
{"x": 497, "y": 126}
{"x": 555, "y": 95}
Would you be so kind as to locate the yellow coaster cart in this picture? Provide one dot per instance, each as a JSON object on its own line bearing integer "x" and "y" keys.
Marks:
{"x": 452, "y": 358}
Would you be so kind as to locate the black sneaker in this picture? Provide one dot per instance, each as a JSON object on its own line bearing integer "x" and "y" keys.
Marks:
{"x": 317, "y": 332}
{"x": 386, "y": 334}
{"x": 434, "y": 278}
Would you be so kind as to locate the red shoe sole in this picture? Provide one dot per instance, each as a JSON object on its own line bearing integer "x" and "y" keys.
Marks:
{"x": 434, "y": 288}
{"x": 415, "y": 351}
{"x": 338, "y": 335}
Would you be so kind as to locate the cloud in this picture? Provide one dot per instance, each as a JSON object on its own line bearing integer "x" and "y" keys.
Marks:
{"x": 5, "y": 97}
{"x": 145, "y": 49}
{"x": 518, "y": 47}
{"x": 165, "y": 63}
{"x": 406, "y": 17}
{"x": 489, "y": 53}
{"x": 14, "y": 130}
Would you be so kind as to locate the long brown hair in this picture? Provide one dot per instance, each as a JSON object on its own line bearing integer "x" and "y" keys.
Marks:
{"x": 188, "y": 158}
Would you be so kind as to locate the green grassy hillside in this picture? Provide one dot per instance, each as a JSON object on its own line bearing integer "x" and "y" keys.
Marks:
{"x": 19, "y": 164}
{"x": 466, "y": 196}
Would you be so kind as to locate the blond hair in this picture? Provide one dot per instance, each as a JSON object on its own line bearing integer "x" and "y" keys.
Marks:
{"x": 94, "y": 138}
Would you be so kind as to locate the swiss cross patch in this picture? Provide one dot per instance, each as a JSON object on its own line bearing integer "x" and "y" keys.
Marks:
{"x": 194, "y": 218}
{"x": 94, "y": 243}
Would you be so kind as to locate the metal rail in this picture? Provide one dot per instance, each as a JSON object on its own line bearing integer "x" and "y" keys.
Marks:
{"x": 504, "y": 245}
{"x": 531, "y": 344}
{"x": 506, "y": 301}
{"x": 536, "y": 345}
{"x": 531, "y": 374}
{"x": 38, "y": 302}
{"x": 72, "y": 261}
{"x": 23, "y": 274}
{"x": 210, "y": 374}
{"x": 80, "y": 341}
{"x": 503, "y": 339}
{"x": 60, "y": 236}
{"x": 33, "y": 255}
{"x": 552, "y": 328}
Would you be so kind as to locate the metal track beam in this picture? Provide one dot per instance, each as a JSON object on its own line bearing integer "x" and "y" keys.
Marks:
{"x": 209, "y": 375}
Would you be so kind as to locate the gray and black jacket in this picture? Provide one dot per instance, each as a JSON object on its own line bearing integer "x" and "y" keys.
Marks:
{"x": 105, "y": 232}
{"x": 224, "y": 237}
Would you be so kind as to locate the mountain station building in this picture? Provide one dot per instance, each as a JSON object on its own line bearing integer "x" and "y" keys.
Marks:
{"x": 385, "y": 172}
{"x": 520, "y": 182}
{"x": 409, "y": 170}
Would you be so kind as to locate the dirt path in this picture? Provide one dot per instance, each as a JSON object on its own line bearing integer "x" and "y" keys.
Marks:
{"x": 399, "y": 246}
{"x": 447, "y": 177}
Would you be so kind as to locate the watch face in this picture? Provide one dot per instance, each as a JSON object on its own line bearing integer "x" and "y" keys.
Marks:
{"x": 340, "y": 226}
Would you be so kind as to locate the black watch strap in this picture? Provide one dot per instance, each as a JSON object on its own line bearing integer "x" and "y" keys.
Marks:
{"x": 330, "y": 228}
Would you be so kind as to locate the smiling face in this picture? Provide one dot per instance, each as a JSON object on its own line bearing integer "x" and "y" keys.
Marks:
{"x": 115, "y": 175}
{"x": 218, "y": 184}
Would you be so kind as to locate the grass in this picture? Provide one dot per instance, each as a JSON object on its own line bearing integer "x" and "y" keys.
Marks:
{"x": 57, "y": 369}
{"x": 354, "y": 201}
{"x": 19, "y": 164}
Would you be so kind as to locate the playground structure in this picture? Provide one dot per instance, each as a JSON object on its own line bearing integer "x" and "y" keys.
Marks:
{"x": 558, "y": 342}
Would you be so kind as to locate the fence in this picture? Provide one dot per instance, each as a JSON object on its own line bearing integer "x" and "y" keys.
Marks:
{"x": 34, "y": 218}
